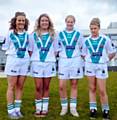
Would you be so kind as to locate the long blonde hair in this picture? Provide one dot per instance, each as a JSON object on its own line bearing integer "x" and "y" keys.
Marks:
{"x": 37, "y": 28}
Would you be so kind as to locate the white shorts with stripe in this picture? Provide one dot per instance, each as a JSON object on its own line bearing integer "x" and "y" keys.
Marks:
{"x": 16, "y": 66}
{"x": 98, "y": 70}
{"x": 70, "y": 68}
{"x": 43, "y": 69}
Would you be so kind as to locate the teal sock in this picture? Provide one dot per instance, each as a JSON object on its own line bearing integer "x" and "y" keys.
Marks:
{"x": 73, "y": 102}
{"x": 10, "y": 108}
{"x": 38, "y": 104}
{"x": 105, "y": 107}
{"x": 64, "y": 102}
{"x": 45, "y": 104}
{"x": 93, "y": 105}
{"x": 17, "y": 105}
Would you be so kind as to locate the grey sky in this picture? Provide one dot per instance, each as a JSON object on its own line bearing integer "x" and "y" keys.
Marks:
{"x": 83, "y": 10}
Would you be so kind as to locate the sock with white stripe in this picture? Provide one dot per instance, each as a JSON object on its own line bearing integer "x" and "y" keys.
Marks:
{"x": 17, "y": 105}
{"x": 10, "y": 108}
{"x": 64, "y": 102}
{"x": 73, "y": 102}
{"x": 45, "y": 104}
{"x": 38, "y": 104}
{"x": 105, "y": 107}
{"x": 93, "y": 105}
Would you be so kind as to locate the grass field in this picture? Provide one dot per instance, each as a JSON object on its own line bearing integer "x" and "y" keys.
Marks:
{"x": 54, "y": 106}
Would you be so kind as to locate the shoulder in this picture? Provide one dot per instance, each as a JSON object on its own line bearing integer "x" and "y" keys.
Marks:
{"x": 78, "y": 30}
{"x": 9, "y": 35}
{"x": 87, "y": 38}
{"x": 60, "y": 33}
{"x": 105, "y": 36}
{"x": 79, "y": 33}
{"x": 56, "y": 33}
{"x": 9, "y": 32}
{"x": 31, "y": 35}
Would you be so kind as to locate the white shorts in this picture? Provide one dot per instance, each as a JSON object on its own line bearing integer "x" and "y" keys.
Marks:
{"x": 16, "y": 66}
{"x": 98, "y": 70}
{"x": 43, "y": 69}
{"x": 70, "y": 68}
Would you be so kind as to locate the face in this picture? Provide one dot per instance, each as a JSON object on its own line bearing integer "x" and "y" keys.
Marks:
{"x": 44, "y": 23}
{"x": 94, "y": 30}
{"x": 20, "y": 23}
{"x": 70, "y": 23}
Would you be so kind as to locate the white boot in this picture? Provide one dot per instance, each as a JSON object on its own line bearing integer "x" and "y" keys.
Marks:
{"x": 63, "y": 111}
{"x": 74, "y": 112}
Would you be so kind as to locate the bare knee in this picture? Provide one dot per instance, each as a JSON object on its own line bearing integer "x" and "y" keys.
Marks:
{"x": 74, "y": 85}
{"x": 11, "y": 87}
{"x": 92, "y": 89}
{"x": 38, "y": 88}
{"x": 20, "y": 87}
{"x": 102, "y": 93}
{"x": 61, "y": 88}
{"x": 46, "y": 87}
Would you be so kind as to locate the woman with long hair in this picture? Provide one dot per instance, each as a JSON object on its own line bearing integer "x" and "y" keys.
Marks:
{"x": 43, "y": 61}
{"x": 16, "y": 69}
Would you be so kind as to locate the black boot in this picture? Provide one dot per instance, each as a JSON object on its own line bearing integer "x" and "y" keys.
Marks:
{"x": 106, "y": 115}
{"x": 93, "y": 114}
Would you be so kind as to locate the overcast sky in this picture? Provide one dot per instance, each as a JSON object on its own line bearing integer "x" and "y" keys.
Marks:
{"x": 83, "y": 10}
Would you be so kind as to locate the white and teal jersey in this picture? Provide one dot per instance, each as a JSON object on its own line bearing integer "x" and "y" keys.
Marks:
{"x": 96, "y": 50}
{"x": 43, "y": 47}
{"x": 70, "y": 43}
{"x": 16, "y": 44}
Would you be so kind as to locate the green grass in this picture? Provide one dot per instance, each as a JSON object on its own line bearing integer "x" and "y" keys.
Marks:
{"x": 54, "y": 106}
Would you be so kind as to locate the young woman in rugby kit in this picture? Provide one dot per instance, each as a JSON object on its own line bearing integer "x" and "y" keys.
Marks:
{"x": 16, "y": 69}
{"x": 43, "y": 68}
{"x": 97, "y": 51}
{"x": 69, "y": 65}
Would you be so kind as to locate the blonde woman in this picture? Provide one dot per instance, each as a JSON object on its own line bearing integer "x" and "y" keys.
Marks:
{"x": 43, "y": 62}
{"x": 69, "y": 65}
{"x": 97, "y": 50}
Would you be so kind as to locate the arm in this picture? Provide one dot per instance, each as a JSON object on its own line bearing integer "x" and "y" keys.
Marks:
{"x": 81, "y": 41}
{"x": 83, "y": 50}
{"x": 111, "y": 56}
{"x": 57, "y": 46}
{"x": 6, "y": 43}
{"x": 111, "y": 50}
{"x": 31, "y": 45}
{"x": 30, "y": 53}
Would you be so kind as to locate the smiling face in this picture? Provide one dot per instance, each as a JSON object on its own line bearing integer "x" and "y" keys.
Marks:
{"x": 94, "y": 30}
{"x": 44, "y": 23}
{"x": 70, "y": 21}
{"x": 20, "y": 23}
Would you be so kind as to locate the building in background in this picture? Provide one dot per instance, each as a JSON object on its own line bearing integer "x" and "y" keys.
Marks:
{"x": 2, "y": 54}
